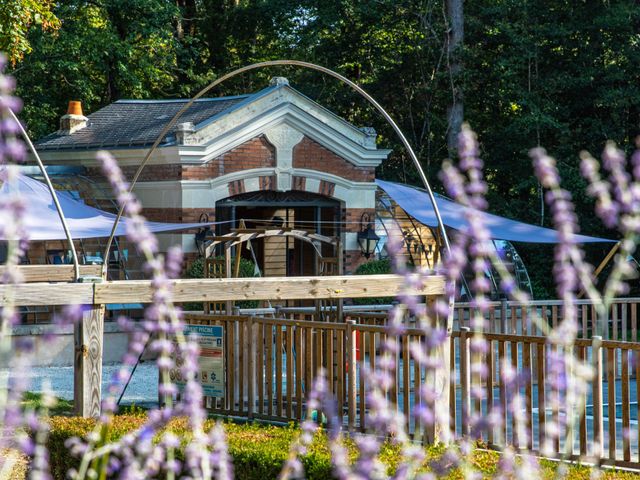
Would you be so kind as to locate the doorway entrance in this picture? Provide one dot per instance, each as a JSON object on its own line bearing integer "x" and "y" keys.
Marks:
{"x": 282, "y": 255}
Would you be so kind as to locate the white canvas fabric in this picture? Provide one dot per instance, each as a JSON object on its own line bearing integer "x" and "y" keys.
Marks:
{"x": 417, "y": 204}
{"x": 42, "y": 222}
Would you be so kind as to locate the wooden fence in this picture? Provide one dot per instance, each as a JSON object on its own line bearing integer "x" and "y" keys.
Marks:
{"x": 606, "y": 413}
{"x": 271, "y": 363}
{"x": 507, "y": 317}
{"x": 514, "y": 318}
{"x": 95, "y": 293}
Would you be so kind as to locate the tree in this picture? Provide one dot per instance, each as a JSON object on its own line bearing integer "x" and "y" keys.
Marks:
{"x": 17, "y": 17}
{"x": 455, "y": 39}
{"x": 103, "y": 52}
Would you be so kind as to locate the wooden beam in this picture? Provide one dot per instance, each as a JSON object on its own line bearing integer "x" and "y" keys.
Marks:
{"x": 603, "y": 264}
{"x": 606, "y": 260}
{"x": 87, "y": 378}
{"x": 272, "y": 288}
{"x": 217, "y": 289}
{"x": 54, "y": 273}
{"x": 42, "y": 294}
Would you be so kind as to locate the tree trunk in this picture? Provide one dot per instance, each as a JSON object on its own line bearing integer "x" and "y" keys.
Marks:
{"x": 455, "y": 38}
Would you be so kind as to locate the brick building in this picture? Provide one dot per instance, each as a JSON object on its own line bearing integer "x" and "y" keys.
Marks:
{"x": 270, "y": 158}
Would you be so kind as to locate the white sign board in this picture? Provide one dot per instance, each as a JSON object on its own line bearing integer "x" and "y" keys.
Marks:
{"x": 210, "y": 362}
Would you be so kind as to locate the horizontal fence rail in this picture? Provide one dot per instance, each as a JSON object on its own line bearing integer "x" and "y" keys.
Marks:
{"x": 272, "y": 362}
{"x": 216, "y": 289}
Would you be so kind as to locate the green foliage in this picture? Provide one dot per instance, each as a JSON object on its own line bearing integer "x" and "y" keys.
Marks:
{"x": 374, "y": 267}
{"x": 259, "y": 451}
{"x": 546, "y": 72}
{"x": 133, "y": 409}
{"x": 34, "y": 401}
{"x": 17, "y": 17}
{"x": 196, "y": 270}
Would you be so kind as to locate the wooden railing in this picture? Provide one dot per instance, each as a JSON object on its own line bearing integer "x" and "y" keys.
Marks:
{"x": 88, "y": 333}
{"x": 507, "y": 317}
{"x": 605, "y": 416}
{"x": 272, "y": 363}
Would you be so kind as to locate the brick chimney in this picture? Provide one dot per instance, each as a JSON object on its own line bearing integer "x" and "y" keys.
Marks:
{"x": 73, "y": 120}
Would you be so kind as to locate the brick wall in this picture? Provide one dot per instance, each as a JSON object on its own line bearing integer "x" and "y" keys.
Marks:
{"x": 178, "y": 215}
{"x": 311, "y": 155}
{"x": 353, "y": 216}
{"x": 256, "y": 153}
{"x": 352, "y": 260}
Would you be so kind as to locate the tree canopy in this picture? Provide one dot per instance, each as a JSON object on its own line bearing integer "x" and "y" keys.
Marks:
{"x": 555, "y": 73}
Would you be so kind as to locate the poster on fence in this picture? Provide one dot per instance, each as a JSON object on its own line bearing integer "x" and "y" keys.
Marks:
{"x": 210, "y": 362}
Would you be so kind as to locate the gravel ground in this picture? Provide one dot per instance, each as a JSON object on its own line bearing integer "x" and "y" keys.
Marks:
{"x": 142, "y": 390}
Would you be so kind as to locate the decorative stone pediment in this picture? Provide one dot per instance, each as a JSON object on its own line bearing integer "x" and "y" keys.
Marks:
{"x": 283, "y": 115}
{"x": 283, "y": 137}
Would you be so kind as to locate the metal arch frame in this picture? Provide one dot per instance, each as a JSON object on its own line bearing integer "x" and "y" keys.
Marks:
{"x": 65, "y": 226}
{"x": 273, "y": 63}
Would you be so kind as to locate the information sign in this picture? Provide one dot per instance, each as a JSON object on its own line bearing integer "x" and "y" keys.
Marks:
{"x": 210, "y": 362}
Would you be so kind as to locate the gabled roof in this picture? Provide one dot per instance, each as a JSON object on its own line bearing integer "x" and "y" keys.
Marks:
{"x": 218, "y": 125}
{"x": 135, "y": 123}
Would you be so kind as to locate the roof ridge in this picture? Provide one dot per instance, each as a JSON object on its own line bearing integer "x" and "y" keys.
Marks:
{"x": 182, "y": 100}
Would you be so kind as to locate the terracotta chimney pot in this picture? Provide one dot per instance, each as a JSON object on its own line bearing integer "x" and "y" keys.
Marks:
{"x": 73, "y": 120}
{"x": 74, "y": 108}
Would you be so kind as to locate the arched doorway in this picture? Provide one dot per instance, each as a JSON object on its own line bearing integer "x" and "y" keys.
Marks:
{"x": 295, "y": 210}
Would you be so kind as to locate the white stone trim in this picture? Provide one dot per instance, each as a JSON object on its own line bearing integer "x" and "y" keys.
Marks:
{"x": 311, "y": 184}
{"x": 222, "y": 141}
{"x": 125, "y": 156}
{"x": 283, "y": 137}
{"x": 205, "y": 193}
{"x": 351, "y": 241}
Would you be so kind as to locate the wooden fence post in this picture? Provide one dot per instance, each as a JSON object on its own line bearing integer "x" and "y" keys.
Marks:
{"x": 163, "y": 376}
{"x": 598, "y": 423}
{"x": 465, "y": 371}
{"x": 87, "y": 378}
{"x": 251, "y": 369}
{"x": 351, "y": 373}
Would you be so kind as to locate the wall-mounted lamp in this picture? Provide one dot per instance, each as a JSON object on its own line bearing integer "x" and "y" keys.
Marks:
{"x": 202, "y": 234}
{"x": 367, "y": 238}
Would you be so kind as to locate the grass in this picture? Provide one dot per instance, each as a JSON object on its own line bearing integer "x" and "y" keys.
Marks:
{"x": 34, "y": 401}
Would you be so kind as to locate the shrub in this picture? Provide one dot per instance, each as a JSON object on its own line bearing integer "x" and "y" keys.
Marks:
{"x": 374, "y": 267}
{"x": 258, "y": 451}
{"x": 196, "y": 270}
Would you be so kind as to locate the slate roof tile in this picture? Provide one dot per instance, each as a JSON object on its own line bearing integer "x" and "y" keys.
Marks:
{"x": 134, "y": 123}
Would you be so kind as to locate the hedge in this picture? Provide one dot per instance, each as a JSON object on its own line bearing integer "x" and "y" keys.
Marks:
{"x": 259, "y": 451}
{"x": 374, "y": 267}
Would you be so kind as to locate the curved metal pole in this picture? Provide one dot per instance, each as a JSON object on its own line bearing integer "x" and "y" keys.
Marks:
{"x": 65, "y": 227}
{"x": 273, "y": 63}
